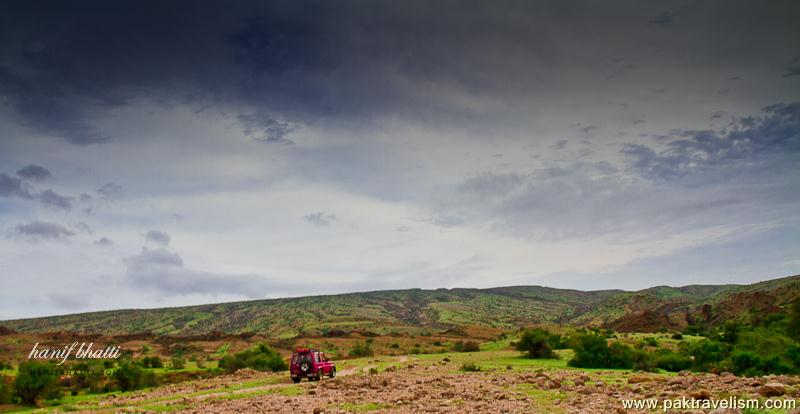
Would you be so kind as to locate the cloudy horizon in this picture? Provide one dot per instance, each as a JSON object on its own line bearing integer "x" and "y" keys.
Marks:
{"x": 158, "y": 155}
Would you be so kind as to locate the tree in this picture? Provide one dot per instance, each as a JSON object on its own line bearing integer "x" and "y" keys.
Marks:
{"x": 152, "y": 362}
{"x": 260, "y": 358}
{"x": 468, "y": 346}
{"x": 536, "y": 343}
{"x": 592, "y": 351}
{"x": 178, "y": 362}
{"x": 130, "y": 376}
{"x": 361, "y": 350}
{"x": 35, "y": 380}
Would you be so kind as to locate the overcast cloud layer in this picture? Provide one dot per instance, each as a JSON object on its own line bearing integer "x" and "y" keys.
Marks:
{"x": 159, "y": 154}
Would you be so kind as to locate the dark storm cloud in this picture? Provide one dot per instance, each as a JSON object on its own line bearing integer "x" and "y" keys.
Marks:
{"x": 667, "y": 17}
{"x": 281, "y": 64}
{"x": 792, "y": 71}
{"x": 43, "y": 230}
{"x": 774, "y": 134}
{"x": 716, "y": 115}
{"x": 663, "y": 19}
{"x": 62, "y": 66}
{"x": 620, "y": 69}
{"x": 262, "y": 127}
{"x": 157, "y": 237}
{"x": 53, "y": 199}
{"x": 690, "y": 179}
{"x": 14, "y": 187}
{"x": 34, "y": 173}
{"x": 43, "y": 112}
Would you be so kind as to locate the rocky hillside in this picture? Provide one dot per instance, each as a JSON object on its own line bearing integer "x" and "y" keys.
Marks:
{"x": 385, "y": 312}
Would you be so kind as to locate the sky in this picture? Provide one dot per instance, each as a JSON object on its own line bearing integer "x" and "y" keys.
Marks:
{"x": 160, "y": 154}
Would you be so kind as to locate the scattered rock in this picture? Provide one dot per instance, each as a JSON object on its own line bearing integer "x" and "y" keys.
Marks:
{"x": 702, "y": 394}
{"x": 772, "y": 389}
{"x": 636, "y": 379}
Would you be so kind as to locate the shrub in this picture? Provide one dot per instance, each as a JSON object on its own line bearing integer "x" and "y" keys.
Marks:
{"x": 152, "y": 362}
{"x": 643, "y": 360}
{"x": 178, "y": 363}
{"x": 651, "y": 342}
{"x": 745, "y": 363}
{"x": 35, "y": 380}
{"x": 592, "y": 351}
{"x": 468, "y": 346}
{"x": 536, "y": 343}
{"x": 677, "y": 336}
{"x": 260, "y": 358}
{"x": 88, "y": 375}
{"x": 619, "y": 356}
{"x": 673, "y": 361}
{"x": 731, "y": 331}
{"x": 470, "y": 367}
{"x": 793, "y": 355}
{"x": 775, "y": 365}
{"x": 707, "y": 353}
{"x": 130, "y": 376}
{"x": 363, "y": 350}
{"x": 5, "y": 391}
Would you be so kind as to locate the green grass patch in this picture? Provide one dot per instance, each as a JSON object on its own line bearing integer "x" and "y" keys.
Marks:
{"x": 499, "y": 345}
{"x": 222, "y": 350}
{"x": 500, "y": 360}
{"x": 543, "y": 401}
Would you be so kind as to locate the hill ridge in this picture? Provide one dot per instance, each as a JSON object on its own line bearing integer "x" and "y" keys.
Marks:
{"x": 384, "y": 311}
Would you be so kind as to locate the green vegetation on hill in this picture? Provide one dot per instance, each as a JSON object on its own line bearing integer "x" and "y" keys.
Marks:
{"x": 763, "y": 347}
{"x": 384, "y": 312}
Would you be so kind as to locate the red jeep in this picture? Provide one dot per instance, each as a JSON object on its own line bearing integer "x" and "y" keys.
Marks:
{"x": 311, "y": 364}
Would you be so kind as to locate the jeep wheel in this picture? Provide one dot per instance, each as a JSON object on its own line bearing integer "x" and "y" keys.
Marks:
{"x": 320, "y": 373}
{"x": 333, "y": 372}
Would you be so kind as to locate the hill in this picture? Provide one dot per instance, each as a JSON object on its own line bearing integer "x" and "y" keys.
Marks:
{"x": 412, "y": 310}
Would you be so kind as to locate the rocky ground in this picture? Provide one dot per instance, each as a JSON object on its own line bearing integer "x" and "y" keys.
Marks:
{"x": 438, "y": 389}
